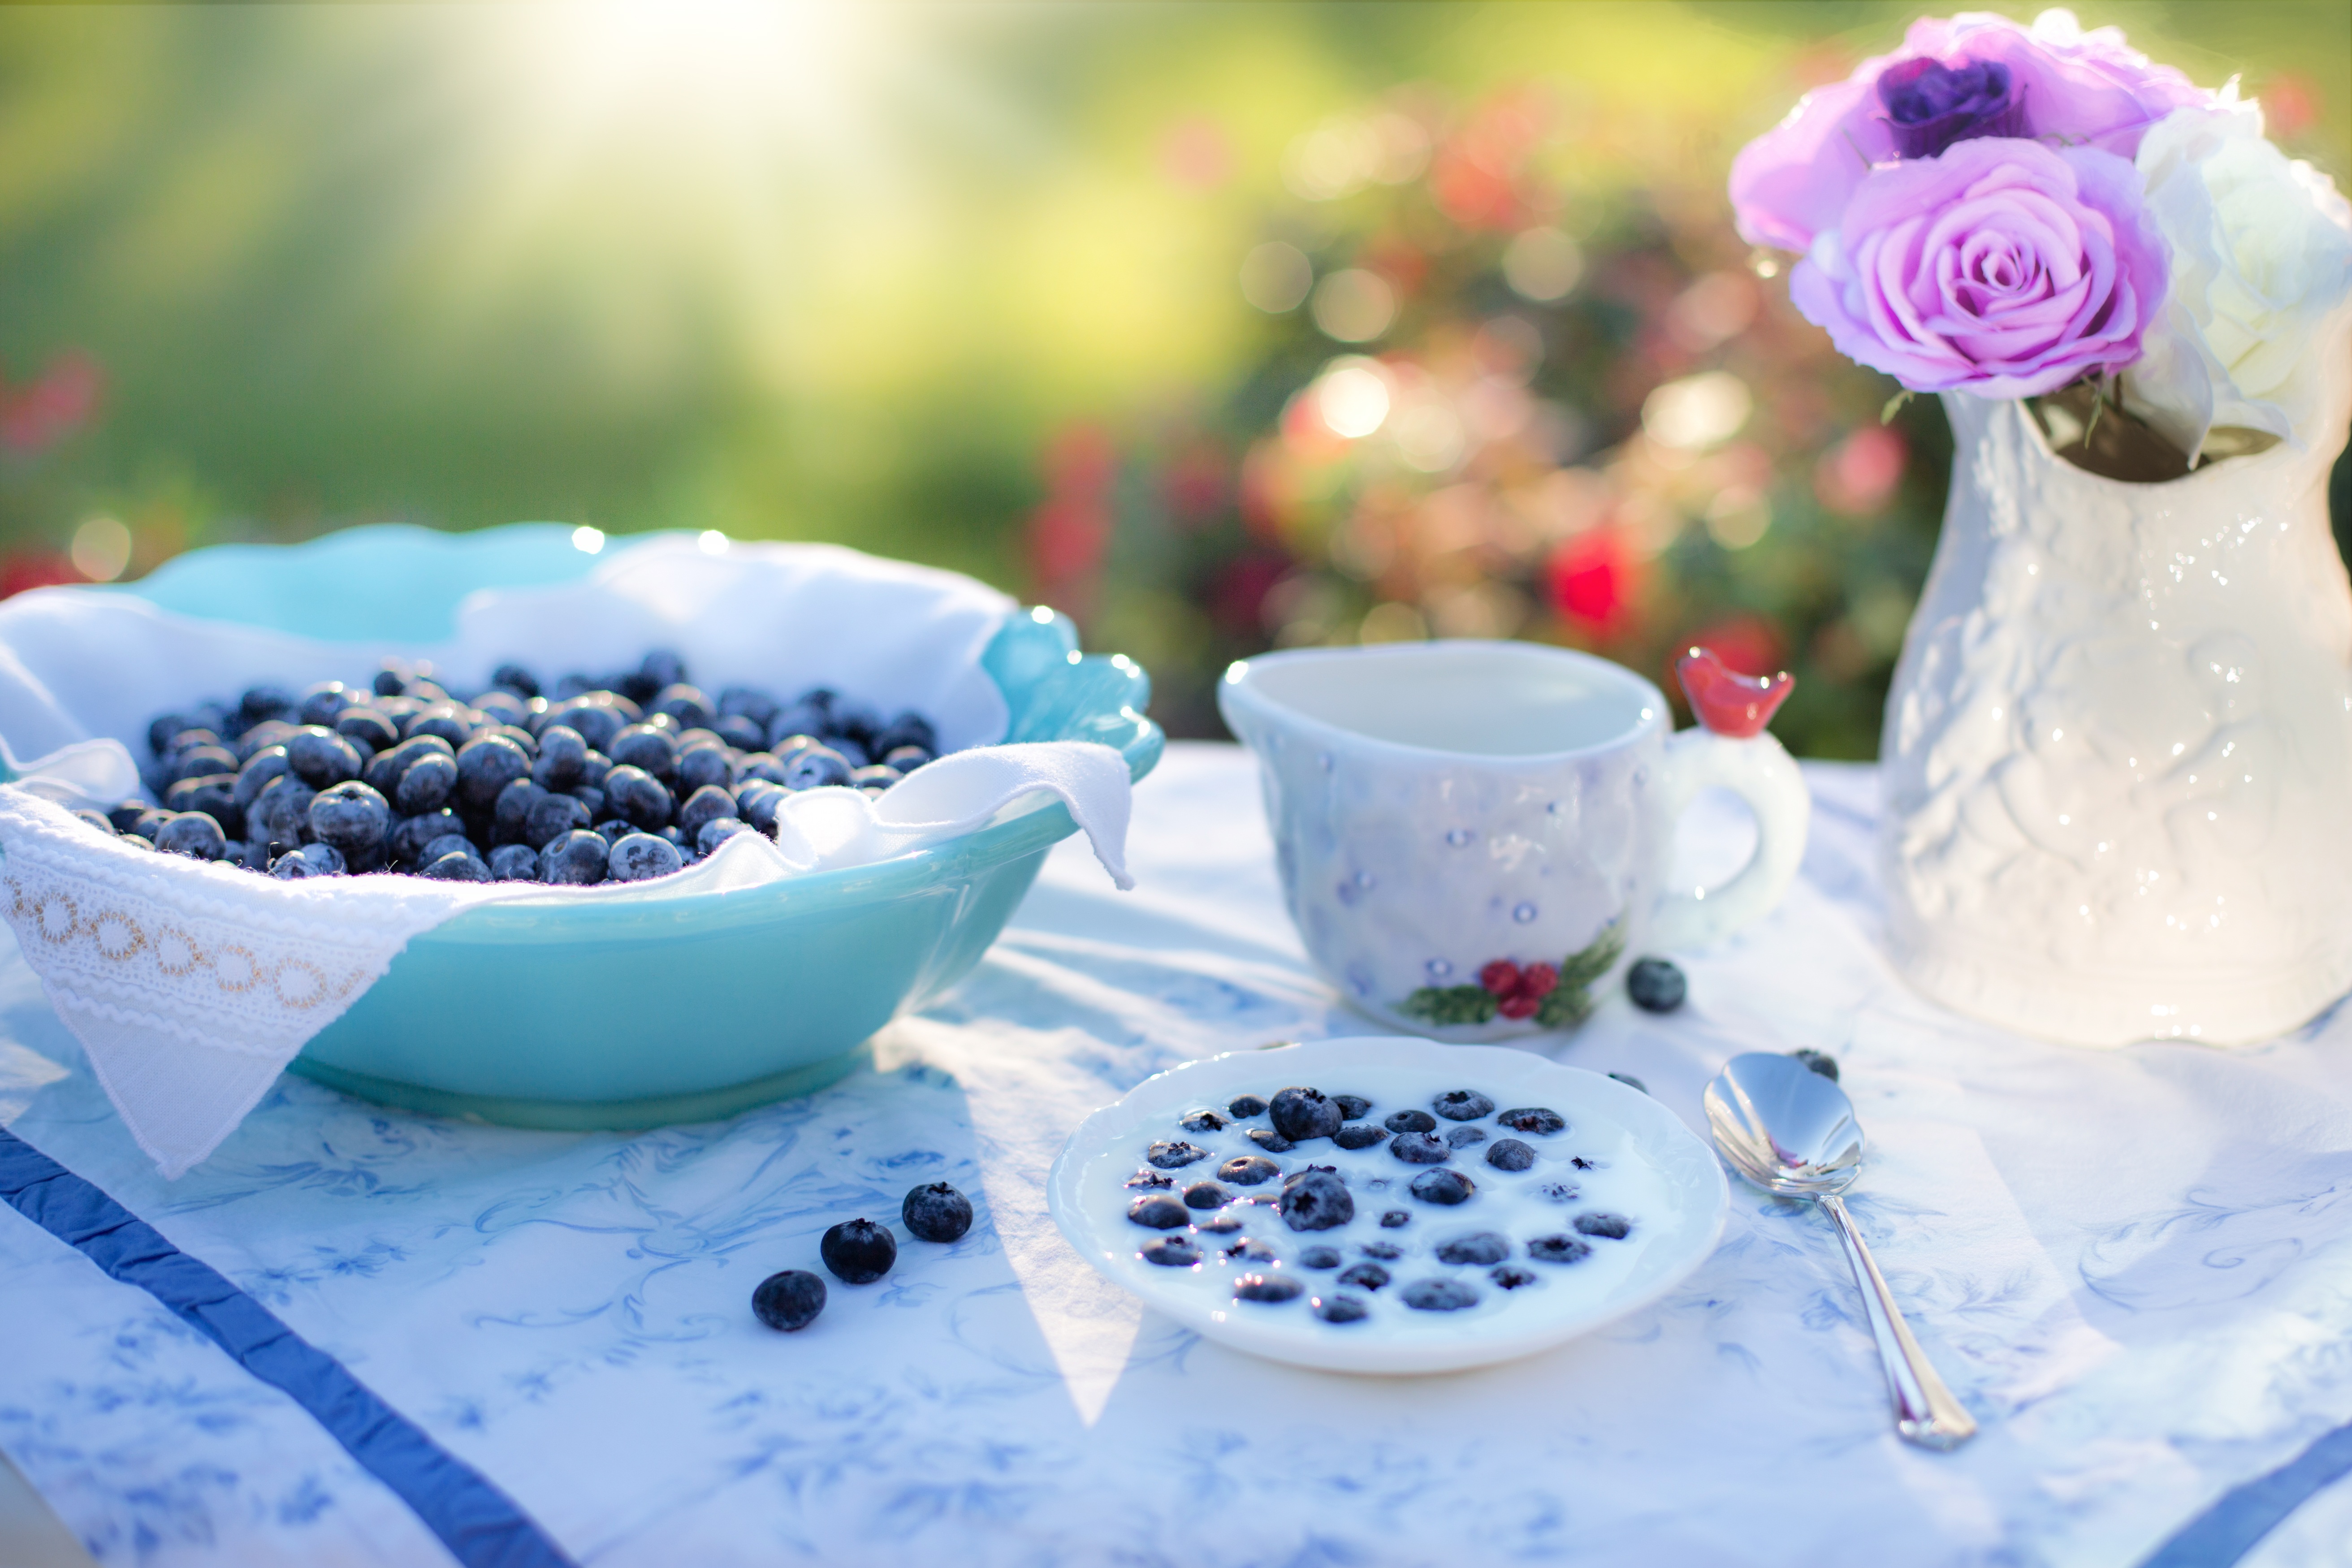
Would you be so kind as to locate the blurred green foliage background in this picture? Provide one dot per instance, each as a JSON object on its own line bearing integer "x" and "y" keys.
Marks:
{"x": 974, "y": 285}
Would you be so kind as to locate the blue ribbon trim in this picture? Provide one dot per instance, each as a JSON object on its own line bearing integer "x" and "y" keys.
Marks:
{"x": 480, "y": 1525}
{"x": 2247, "y": 1512}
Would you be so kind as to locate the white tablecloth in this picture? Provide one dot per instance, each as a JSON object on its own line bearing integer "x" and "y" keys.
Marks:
{"x": 2133, "y": 1265}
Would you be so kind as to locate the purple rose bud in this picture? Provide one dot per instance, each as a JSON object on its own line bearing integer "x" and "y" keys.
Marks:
{"x": 1929, "y": 106}
{"x": 1999, "y": 267}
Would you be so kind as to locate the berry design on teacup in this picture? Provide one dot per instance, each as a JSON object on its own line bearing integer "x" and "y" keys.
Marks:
{"x": 1557, "y": 996}
{"x": 1725, "y": 701}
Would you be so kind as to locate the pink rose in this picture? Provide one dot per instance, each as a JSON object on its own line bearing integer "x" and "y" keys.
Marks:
{"x": 2000, "y": 267}
{"x": 1974, "y": 76}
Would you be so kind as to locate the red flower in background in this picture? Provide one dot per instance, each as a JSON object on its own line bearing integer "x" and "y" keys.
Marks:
{"x": 1590, "y": 580}
{"x": 23, "y": 569}
{"x": 1070, "y": 531}
{"x": 37, "y": 416}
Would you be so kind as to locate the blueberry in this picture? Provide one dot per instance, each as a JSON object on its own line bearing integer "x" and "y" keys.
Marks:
{"x": 281, "y": 811}
{"x": 351, "y": 816}
{"x": 936, "y": 1212}
{"x": 909, "y": 728}
{"x": 705, "y": 767}
{"x": 1246, "y": 1106}
{"x": 262, "y": 702}
{"x": 1610, "y": 1226}
{"x": 410, "y": 836}
{"x": 389, "y": 681}
{"x": 632, "y": 792}
{"x": 269, "y": 763}
{"x": 756, "y": 801}
{"x": 192, "y": 834}
{"x": 1535, "y": 1119}
{"x": 1340, "y": 1309}
{"x": 594, "y": 721}
{"x": 576, "y": 858}
{"x": 318, "y": 704}
{"x": 643, "y": 746}
{"x": 1386, "y": 1251}
{"x": 1174, "y": 1154}
{"x": 95, "y": 820}
{"x": 1411, "y": 1122}
{"x": 1358, "y": 1135}
{"x": 457, "y": 866}
{"x": 708, "y": 803}
{"x": 1249, "y": 1251}
{"x": 1206, "y": 1195}
{"x": 270, "y": 732}
{"x": 1510, "y": 1154}
{"x": 1221, "y": 1223}
{"x": 1267, "y": 1139}
{"x": 640, "y": 856}
{"x": 487, "y": 764}
{"x": 662, "y": 667}
{"x": 1352, "y": 1107}
{"x": 514, "y": 863}
{"x": 1150, "y": 1180}
{"x": 1299, "y": 1113}
{"x": 215, "y": 795}
{"x": 385, "y": 770}
{"x": 162, "y": 728}
{"x": 1158, "y": 1210}
{"x": 518, "y": 679}
{"x": 1419, "y": 1148}
{"x": 1268, "y": 1288}
{"x": 1511, "y": 1277}
{"x": 1820, "y": 1062}
{"x": 907, "y": 759}
{"x": 562, "y": 758}
{"x": 452, "y": 722}
{"x": 1439, "y": 1295}
{"x": 1462, "y": 1105}
{"x": 858, "y": 1251}
{"x": 1248, "y": 1171}
{"x": 1316, "y": 1200}
{"x": 1444, "y": 1187}
{"x": 450, "y": 842}
{"x": 816, "y": 767}
{"x": 1171, "y": 1252}
{"x": 1655, "y": 984}
{"x": 1396, "y": 1219}
{"x": 1465, "y": 1137}
{"x": 550, "y": 818}
{"x": 748, "y": 702}
{"x": 593, "y": 799}
{"x": 366, "y": 729}
{"x": 310, "y": 860}
{"x": 1486, "y": 1246}
{"x": 123, "y": 813}
{"x": 1320, "y": 1258}
{"x": 1202, "y": 1122}
{"x": 742, "y": 732}
{"x": 1364, "y": 1276}
{"x": 1630, "y": 1082}
{"x": 427, "y": 784}
{"x": 1559, "y": 1249}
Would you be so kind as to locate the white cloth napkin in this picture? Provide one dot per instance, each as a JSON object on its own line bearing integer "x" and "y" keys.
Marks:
{"x": 191, "y": 985}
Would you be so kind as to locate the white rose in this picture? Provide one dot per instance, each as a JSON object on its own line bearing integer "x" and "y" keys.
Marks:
{"x": 2262, "y": 256}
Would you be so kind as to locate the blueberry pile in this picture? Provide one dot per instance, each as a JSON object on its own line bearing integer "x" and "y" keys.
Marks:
{"x": 858, "y": 1252}
{"x": 601, "y": 778}
{"x": 1213, "y": 1191}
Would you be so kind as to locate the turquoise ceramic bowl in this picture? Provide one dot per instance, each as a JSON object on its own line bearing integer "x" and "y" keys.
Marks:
{"x": 631, "y": 1014}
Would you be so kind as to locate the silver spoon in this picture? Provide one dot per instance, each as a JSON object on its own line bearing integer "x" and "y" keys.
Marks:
{"x": 1791, "y": 1131}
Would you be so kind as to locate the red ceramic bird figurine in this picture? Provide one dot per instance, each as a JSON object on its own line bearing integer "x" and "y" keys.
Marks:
{"x": 1727, "y": 703}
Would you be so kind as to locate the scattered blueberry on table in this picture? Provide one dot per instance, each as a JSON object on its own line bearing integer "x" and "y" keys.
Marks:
{"x": 859, "y": 1252}
{"x": 789, "y": 1300}
{"x": 1657, "y": 985}
{"x": 937, "y": 1212}
{"x": 510, "y": 781}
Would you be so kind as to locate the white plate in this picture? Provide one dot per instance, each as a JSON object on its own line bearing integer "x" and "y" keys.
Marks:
{"x": 1639, "y": 1162}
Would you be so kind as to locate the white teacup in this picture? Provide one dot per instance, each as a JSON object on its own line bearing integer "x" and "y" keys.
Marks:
{"x": 1441, "y": 809}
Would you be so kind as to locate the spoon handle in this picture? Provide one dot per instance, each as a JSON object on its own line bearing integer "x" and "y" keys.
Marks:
{"x": 1925, "y": 1411}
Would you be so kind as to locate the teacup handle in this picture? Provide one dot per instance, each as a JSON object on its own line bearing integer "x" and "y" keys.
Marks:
{"x": 1760, "y": 773}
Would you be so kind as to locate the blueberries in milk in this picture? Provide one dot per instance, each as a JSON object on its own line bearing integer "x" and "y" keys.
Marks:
{"x": 1248, "y": 1251}
{"x": 1299, "y": 1114}
{"x": 1202, "y": 1122}
{"x": 1612, "y": 1227}
{"x": 1352, "y": 1107}
{"x": 1316, "y": 1200}
{"x": 1536, "y": 1119}
{"x": 1419, "y": 1148}
{"x": 1150, "y": 1179}
{"x": 1341, "y": 1308}
{"x": 1510, "y": 1154}
{"x": 1173, "y": 1154}
{"x": 1248, "y": 1171}
{"x": 789, "y": 1300}
{"x": 936, "y": 1212}
{"x": 859, "y": 1252}
{"x": 1486, "y": 1246}
{"x": 1159, "y": 1211}
{"x": 1358, "y": 1135}
{"x": 1396, "y": 1219}
{"x": 1465, "y": 1137}
{"x": 1364, "y": 1276}
{"x": 1559, "y": 1249}
{"x": 1411, "y": 1122}
{"x": 1320, "y": 1258}
{"x": 520, "y": 761}
{"x": 1510, "y": 1276}
{"x": 1268, "y": 1288}
{"x": 1462, "y": 1105}
{"x": 1271, "y": 1141}
{"x": 1246, "y": 1106}
{"x": 1386, "y": 1251}
{"x": 1171, "y": 1252}
{"x": 1439, "y": 1295}
{"x": 1442, "y": 1186}
{"x": 1206, "y": 1195}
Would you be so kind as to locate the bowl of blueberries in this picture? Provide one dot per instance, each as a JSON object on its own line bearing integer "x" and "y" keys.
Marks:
{"x": 612, "y": 1011}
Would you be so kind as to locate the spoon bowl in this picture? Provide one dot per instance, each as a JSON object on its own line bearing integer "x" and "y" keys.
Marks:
{"x": 1784, "y": 1127}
